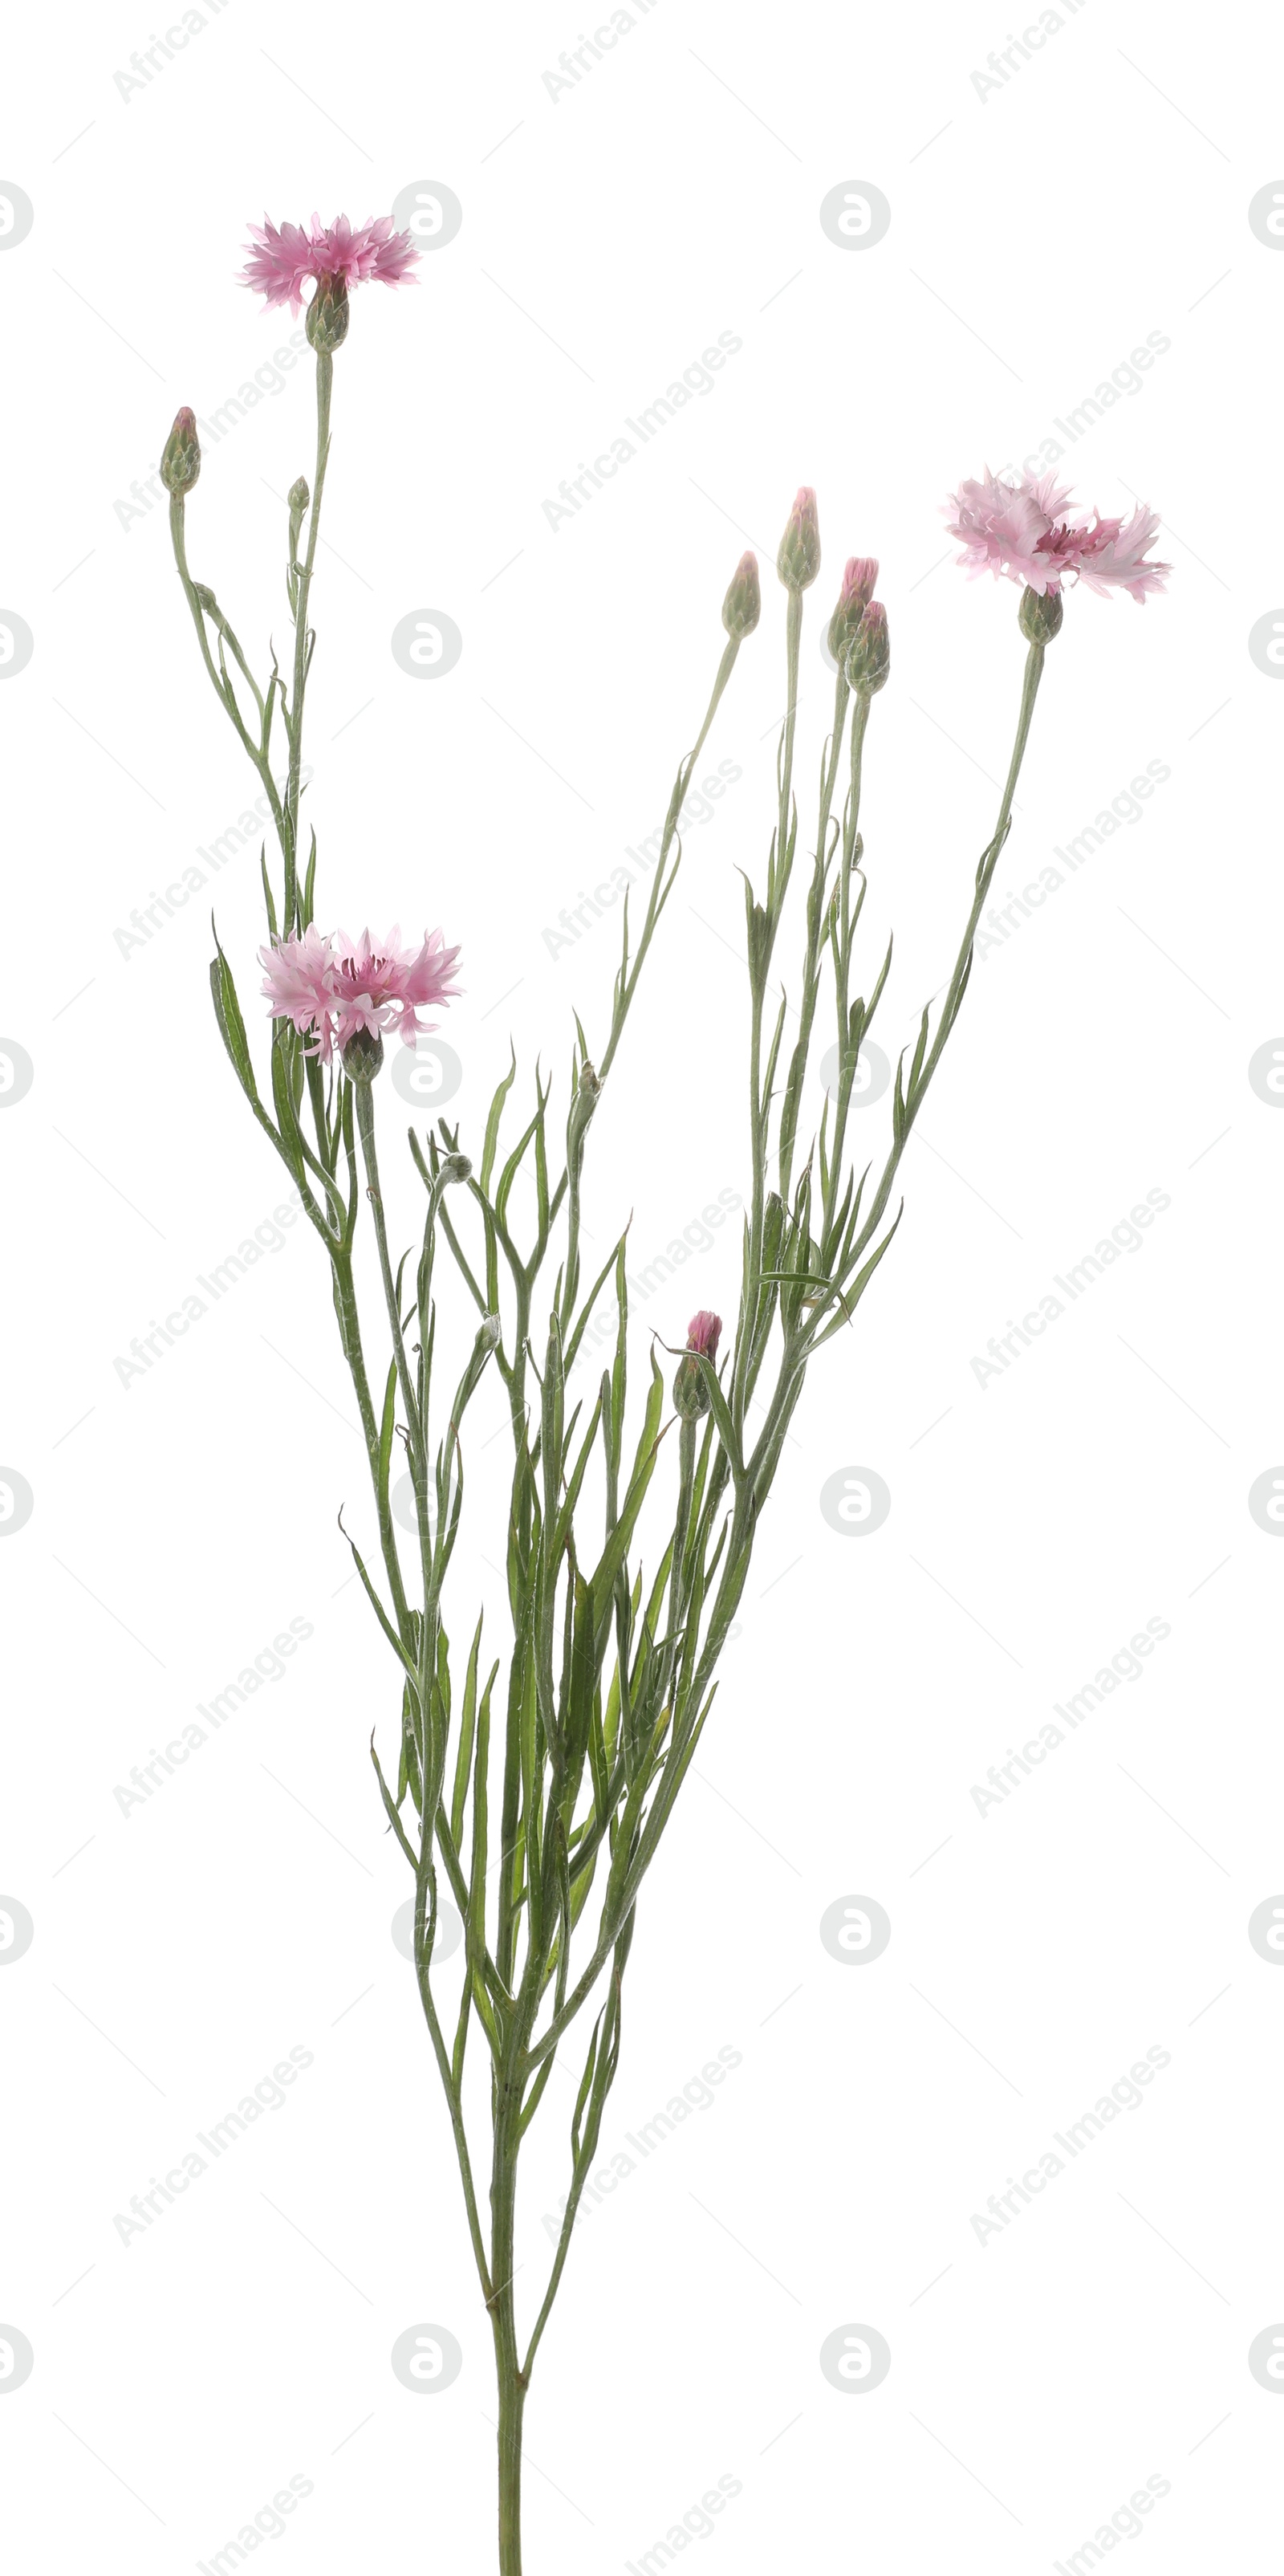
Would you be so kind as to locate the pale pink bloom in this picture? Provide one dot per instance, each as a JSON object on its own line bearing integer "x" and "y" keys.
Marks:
{"x": 1111, "y": 556}
{"x": 382, "y": 988}
{"x": 281, "y": 260}
{"x": 330, "y": 988}
{"x": 1020, "y": 532}
{"x": 297, "y": 984}
{"x": 703, "y": 1333}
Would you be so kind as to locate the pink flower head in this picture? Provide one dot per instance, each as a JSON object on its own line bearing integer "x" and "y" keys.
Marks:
{"x": 385, "y": 987}
{"x": 860, "y": 581}
{"x": 331, "y": 988}
{"x": 703, "y": 1333}
{"x": 281, "y": 259}
{"x": 798, "y": 560}
{"x": 1020, "y": 532}
{"x": 297, "y": 983}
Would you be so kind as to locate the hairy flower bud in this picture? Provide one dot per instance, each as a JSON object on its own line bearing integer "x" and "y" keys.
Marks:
{"x": 455, "y": 1167}
{"x": 690, "y": 1394}
{"x": 326, "y": 319}
{"x": 362, "y": 1055}
{"x": 857, "y": 591}
{"x": 589, "y": 1082}
{"x": 742, "y": 607}
{"x": 181, "y": 462}
{"x": 1039, "y": 615}
{"x": 869, "y": 659}
{"x": 489, "y": 1332}
{"x": 798, "y": 561}
{"x": 298, "y": 497}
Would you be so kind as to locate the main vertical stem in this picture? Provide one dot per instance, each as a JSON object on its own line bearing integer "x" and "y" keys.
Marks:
{"x": 512, "y": 2398}
{"x": 503, "y": 2317}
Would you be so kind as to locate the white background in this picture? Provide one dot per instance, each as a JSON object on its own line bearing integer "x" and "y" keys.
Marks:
{"x": 1039, "y": 234}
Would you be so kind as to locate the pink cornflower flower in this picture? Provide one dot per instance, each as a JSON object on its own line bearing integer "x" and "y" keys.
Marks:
{"x": 1020, "y": 532}
{"x": 297, "y": 983}
{"x": 329, "y": 989}
{"x": 344, "y": 255}
{"x": 704, "y": 1332}
{"x": 384, "y": 988}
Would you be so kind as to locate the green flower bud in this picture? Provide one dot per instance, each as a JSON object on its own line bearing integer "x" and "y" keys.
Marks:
{"x": 857, "y": 591}
{"x": 1039, "y": 615}
{"x": 455, "y": 1167}
{"x": 869, "y": 660}
{"x": 742, "y": 607}
{"x": 181, "y": 462}
{"x": 798, "y": 561}
{"x": 690, "y": 1394}
{"x": 326, "y": 319}
{"x": 298, "y": 497}
{"x": 363, "y": 1055}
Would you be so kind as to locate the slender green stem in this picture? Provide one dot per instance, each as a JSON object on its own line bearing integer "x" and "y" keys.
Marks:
{"x": 815, "y": 934}
{"x": 763, "y": 924}
{"x": 294, "y": 712}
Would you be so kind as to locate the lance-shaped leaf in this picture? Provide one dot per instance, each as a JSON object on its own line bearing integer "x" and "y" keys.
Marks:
{"x": 227, "y": 1011}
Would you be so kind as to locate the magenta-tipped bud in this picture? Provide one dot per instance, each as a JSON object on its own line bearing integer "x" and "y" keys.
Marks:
{"x": 858, "y": 589}
{"x": 690, "y": 1394}
{"x": 181, "y": 462}
{"x": 742, "y": 607}
{"x": 798, "y": 561}
{"x": 870, "y": 656}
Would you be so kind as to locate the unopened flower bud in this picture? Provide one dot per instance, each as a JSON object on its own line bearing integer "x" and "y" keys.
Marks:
{"x": 690, "y": 1394}
{"x": 798, "y": 561}
{"x": 742, "y": 607}
{"x": 589, "y": 1083}
{"x": 869, "y": 659}
{"x": 326, "y": 319}
{"x": 857, "y": 591}
{"x": 455, "y": 1167}
{"x": 363, "y": 1055}
{"x": 1039, "y": 615}
{"x": 489, "y": 1333}
{"x": 298, "y": 497}
{"x": 181, "y": 462}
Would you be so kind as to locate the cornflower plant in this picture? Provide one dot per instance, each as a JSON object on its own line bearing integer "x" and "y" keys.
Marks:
{"x": 533, "y": 1791}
